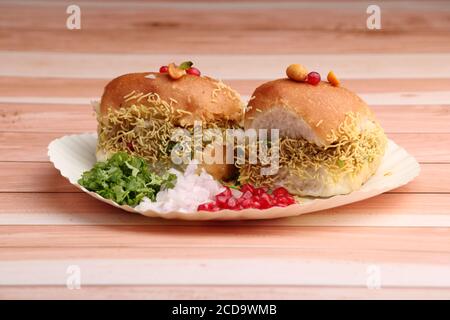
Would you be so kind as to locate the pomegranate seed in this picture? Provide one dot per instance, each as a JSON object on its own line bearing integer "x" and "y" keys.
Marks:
{"x": 313, "y": 78}
{"x": 193, "y": 71}
{"x": 221, "y": 199}
{"x": 232, "y": 202}
{"x": 260, "y": 191}
{"x": 246, "y": 195}
{"x": 226, "y": 192}
{"x": 256, "y": 204}
{"x": 164, "y": 69}
{"x": 249, "y": 197}
{"x": 265, "y": 197}
{"x": 247, "y": 203}
{"x": 280, "y": 191}
{"x": 206, "y": 206}
{"x": 290, "y": 200}
{"x": 266, "y": 202}
{"x": 247, "y": 187}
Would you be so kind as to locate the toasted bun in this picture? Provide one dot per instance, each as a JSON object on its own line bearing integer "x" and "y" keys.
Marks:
{"x": 318, "y": 115}
{"x": 302, "y": 110}
{"x": 204, "y": 98}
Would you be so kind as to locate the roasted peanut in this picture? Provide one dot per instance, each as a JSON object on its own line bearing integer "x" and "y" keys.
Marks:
{"x": 333, "y": 79}
{"x": 296, "y": 72}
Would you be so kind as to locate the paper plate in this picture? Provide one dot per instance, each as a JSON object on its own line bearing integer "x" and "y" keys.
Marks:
{"x": 74, "y": 154}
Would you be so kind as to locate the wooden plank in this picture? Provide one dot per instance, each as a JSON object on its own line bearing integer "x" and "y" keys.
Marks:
{"x": 74, "y": 118}
{"x": 173, "y": 271}
{"x": 226, "y": 66}
{"x": 32, "y": 177}
{"x": 269, "y": 253}
{"x": 388, "y": 210}
{"x": 338, "y": 238}
{"x": 218, "y": 292}
{"x": 43, "y": 177}
{"x": 32, "y": 146}
{"x": 250, "y": 29}
{"x": 88, "y": 88}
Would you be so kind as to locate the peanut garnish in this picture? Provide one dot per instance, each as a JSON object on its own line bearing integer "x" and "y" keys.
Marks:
{"x": 333, "y": 79}
{"x": 296, "y": 72}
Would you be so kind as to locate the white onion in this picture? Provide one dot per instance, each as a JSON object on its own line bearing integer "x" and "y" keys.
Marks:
{"x": 191, "y": 190}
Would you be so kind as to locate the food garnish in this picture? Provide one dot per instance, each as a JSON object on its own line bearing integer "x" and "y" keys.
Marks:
{"x": 313, "y": 78}
{"x": 176, "y": 72}
{"x": 331, "y": 77}
{"x": 297, "y": 72}
{"x": 249, "y": 197}
{"x": 193, "y": 71}
{"x": 125, "y": 179}
{"x": 191, "y": 189}
{"x": 185, "y": 65}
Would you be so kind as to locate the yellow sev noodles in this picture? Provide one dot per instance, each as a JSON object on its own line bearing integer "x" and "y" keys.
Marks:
{"x": 145, "y": 128}
{"x": 350, "y": 149}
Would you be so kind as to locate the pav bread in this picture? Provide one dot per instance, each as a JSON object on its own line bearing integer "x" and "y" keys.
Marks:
{"x": 139, "y": 112}
{"x": 330, "y": 142}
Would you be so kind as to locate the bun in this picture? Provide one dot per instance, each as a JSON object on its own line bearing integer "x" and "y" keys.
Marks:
{"x": 139, "y": 111}
{"x": 203, "y": 98}
{"x": 299, "y": 109}
{"x": 330, "y": 142}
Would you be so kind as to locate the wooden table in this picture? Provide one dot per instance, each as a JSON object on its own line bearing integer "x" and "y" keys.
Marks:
{"x": 51, "y": 234}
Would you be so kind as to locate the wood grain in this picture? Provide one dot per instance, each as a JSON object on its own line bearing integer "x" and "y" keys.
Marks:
{"x": 251, "y": 31}
{"x": 271, "y": 253}
{"x": 174, "y": 271}
{"x": 397, "y": 239}
{"x": 49, "y": 73}
{"x": 225, "y": 67}
{"x": 219, "y": 292}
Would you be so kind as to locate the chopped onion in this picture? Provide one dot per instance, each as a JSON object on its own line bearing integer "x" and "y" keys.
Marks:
{"x": 191, "y": 190}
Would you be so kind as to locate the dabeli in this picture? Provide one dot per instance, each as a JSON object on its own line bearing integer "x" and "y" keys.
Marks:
{"x": 324, "y": 141}
{"x": 139, "y": 113}
{"x": 330, "y": 142}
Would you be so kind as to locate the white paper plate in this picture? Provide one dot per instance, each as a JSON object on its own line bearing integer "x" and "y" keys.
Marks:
{"x": 72, "y": 155}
